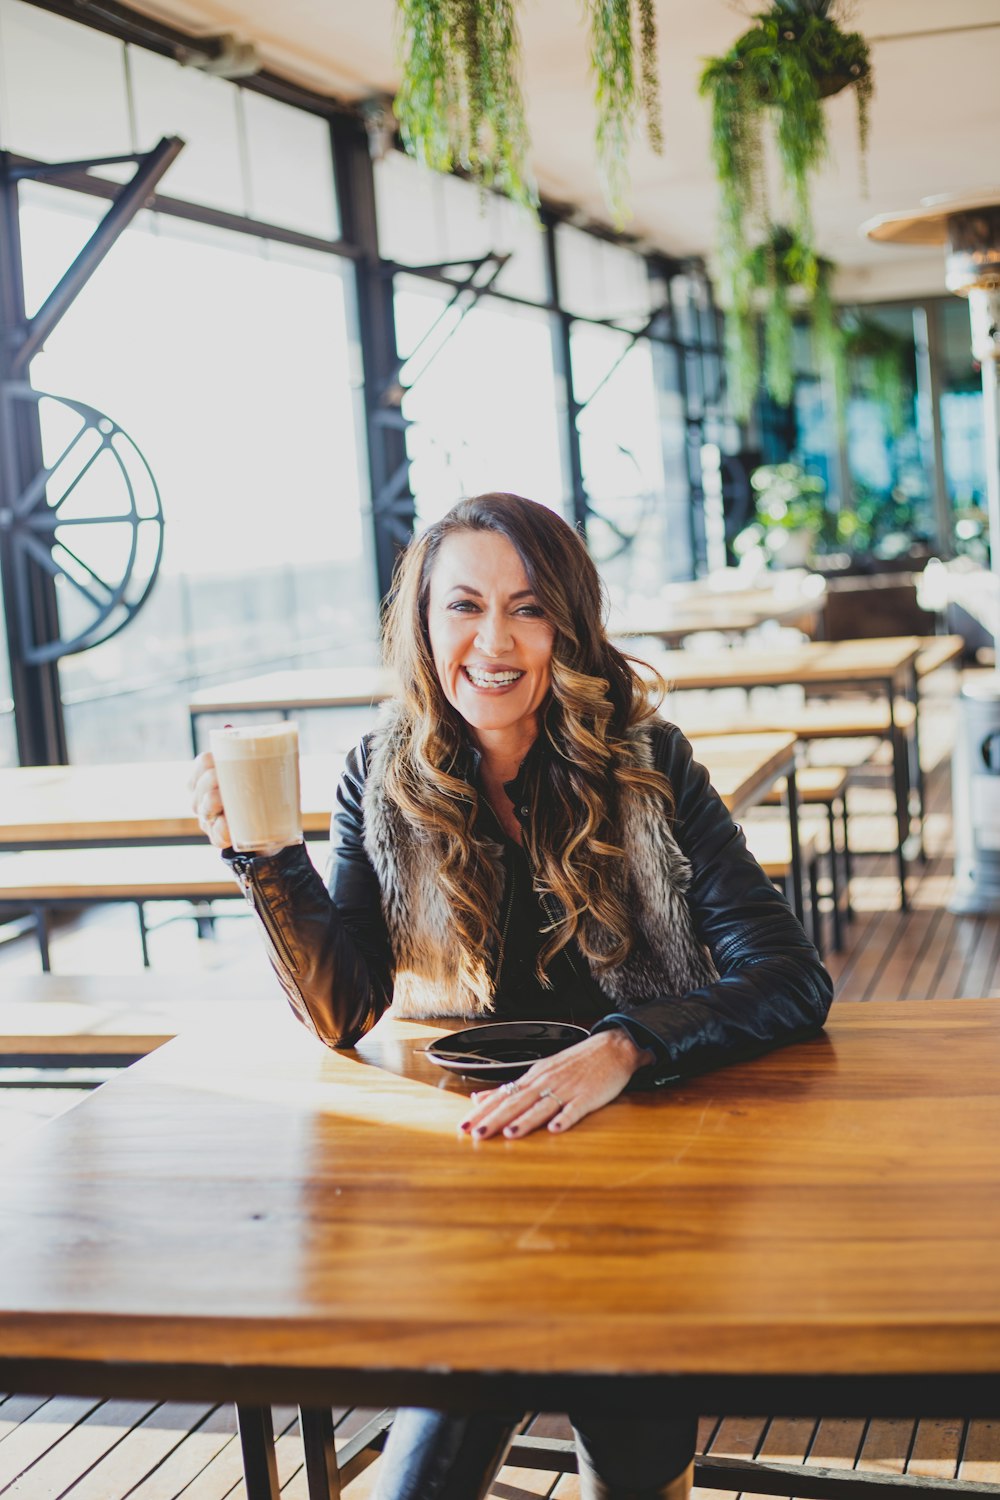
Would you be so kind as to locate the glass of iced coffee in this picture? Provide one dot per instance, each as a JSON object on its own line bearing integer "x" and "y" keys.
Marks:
{"x": 258, "y": 770}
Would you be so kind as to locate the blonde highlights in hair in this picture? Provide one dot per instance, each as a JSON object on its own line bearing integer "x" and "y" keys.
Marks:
{"x": 597, "y": 697}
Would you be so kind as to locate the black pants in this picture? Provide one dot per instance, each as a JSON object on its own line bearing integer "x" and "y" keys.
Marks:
{"x": 431, "y": 1455}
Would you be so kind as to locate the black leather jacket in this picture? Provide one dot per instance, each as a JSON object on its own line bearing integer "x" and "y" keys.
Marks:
{"x": 331, "y": 951}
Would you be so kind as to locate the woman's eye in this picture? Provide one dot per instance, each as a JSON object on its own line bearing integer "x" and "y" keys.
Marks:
{"x": 533, "y": 611}
{"x": 463, "y": 606}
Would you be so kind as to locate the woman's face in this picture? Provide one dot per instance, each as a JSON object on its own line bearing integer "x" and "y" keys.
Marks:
{"x": 491, "y": 642}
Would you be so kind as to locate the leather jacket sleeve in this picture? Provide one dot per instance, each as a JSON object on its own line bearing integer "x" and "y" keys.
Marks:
{"x": 772, "y": 987}
{"x": 327, "y": 941}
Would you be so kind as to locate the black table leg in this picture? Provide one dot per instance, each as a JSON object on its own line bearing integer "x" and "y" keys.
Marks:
{"x": 260, "y": 1468}
{"x": 792, "y": 805}
{"x": 901, "y": 783}
{"x": 322, "y": 1471}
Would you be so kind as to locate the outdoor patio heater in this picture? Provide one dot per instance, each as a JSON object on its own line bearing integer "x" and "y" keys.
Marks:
{"x": 970, "y": 229}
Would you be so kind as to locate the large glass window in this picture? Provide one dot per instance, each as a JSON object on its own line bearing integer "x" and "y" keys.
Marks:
{"x": 622, "y": 458}
{"x": 962, "y": 428}
{"x": 483, "y": 404}
{"x": 239, "y": 382}
{"x": 482, "y": 400}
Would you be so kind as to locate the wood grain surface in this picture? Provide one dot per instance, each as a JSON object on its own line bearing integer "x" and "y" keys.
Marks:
{"x": 247, "y": 1201}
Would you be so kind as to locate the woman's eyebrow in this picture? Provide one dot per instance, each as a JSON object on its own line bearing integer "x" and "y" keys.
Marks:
{"x": 466, "y": 588}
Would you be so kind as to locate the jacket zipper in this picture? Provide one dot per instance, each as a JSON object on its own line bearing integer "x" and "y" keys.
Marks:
{"x": 509, "y": 907}
{"x": 256, "y": 901}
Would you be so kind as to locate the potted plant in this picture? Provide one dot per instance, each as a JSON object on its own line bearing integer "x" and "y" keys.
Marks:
{"x": 790, "y": 516}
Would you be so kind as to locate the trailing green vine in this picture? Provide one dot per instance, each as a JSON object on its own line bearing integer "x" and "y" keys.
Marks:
{"x": 777, "y": 271}
{"x": 778, "y": 73}
{"x": 880, "y": 365}
{"x": 625, "y": 83}
{"x": 460, "y": 101}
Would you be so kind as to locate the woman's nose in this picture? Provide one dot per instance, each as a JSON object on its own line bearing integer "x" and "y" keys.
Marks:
{"x": 493, "y": 637}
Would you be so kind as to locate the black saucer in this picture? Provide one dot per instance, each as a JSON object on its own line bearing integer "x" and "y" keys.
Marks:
{"x": 503, "y": 1051}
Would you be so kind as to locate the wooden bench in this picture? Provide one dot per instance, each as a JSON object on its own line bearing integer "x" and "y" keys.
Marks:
{"x": 50, "y": 1022}
{"x": 846, "y": 720}
{"x": 39, "y": 881}
{"x": 826, "y": 786}
{"x": 771, "y": 846}
{"x": 938, "y": 651}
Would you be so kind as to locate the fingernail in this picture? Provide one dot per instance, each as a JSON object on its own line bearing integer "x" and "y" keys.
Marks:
{"x": 465, "y": 1125}
{"x": 479, "y": 1130}
{"x": 511, "y": 1130}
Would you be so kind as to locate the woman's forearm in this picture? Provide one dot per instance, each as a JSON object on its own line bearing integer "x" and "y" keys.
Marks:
{"x": 337, "y": 984}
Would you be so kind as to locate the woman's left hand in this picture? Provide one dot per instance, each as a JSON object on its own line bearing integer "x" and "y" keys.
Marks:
{"x": 560, "y": 1091}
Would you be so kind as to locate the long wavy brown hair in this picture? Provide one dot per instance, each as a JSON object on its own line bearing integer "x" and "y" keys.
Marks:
{"x": 597, "y": 697}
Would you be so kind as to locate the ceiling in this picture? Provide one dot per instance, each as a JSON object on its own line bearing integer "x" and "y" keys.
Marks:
{"x": 935, "y": 117}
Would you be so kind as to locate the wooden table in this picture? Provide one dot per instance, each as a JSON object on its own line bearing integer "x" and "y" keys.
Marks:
{"x": 136, "y": 802}
{"x": 291, "y": 690}
{"x": 148, "y": 802}
{"x": 246, "y": 1216}
{"x": 685, "y": 610}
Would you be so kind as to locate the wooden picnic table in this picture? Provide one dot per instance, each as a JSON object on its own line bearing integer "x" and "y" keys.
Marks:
{"x": 87, "y": 835}
{"x": 133, "y": 802}
{"x": 293, "y": 689}
{"x": 148, "y": 802}
{"x": 686, "y": 609}
{"x": 246, "y": 1216}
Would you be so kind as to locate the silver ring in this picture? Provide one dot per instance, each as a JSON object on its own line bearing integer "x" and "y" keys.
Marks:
{"x": 509, "y": 1088}
{"x": 548, "y": 1094}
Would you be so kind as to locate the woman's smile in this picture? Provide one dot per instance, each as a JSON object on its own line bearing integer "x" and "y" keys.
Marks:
{"x": 487, "y": 679}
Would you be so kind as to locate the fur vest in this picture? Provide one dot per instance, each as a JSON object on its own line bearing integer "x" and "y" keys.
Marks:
{"x": 666, "y": 957}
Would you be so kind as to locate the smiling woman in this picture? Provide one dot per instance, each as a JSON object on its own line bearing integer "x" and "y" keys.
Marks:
{"x": 523, "y": 838}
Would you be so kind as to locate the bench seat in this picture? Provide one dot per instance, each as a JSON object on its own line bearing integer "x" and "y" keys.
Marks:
{"x": 42, "y": 880}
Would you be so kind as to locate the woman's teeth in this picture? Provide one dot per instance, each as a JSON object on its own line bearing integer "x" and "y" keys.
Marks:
{"x": 482, "y": 679}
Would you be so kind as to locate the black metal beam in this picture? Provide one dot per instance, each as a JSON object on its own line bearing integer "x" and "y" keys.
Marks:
{"x": 38, "y": 714}
{"x": 562, "y": 365}
{"x": 128, "y": 201}
{"x": 393, "y": 512}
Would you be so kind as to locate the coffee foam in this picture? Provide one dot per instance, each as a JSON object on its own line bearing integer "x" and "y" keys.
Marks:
{"x": 254, "y": 741}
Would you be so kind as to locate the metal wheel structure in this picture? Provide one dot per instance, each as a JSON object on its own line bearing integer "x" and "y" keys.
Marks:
{"x": 91, "y": 518}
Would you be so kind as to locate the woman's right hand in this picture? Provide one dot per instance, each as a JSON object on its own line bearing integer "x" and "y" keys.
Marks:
{"x": 206, "y": 800}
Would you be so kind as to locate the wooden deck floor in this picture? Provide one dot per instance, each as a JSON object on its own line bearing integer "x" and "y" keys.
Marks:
{"x": 72, "y": 1448}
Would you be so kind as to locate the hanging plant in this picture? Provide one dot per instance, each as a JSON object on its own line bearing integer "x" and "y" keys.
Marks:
{"x": 626, "y": 82}
{"x": 460, "y": 100}
{"x": 778, "y": 72}
{"x": 776, "y": 277}
{"x": 880, "y": 365}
